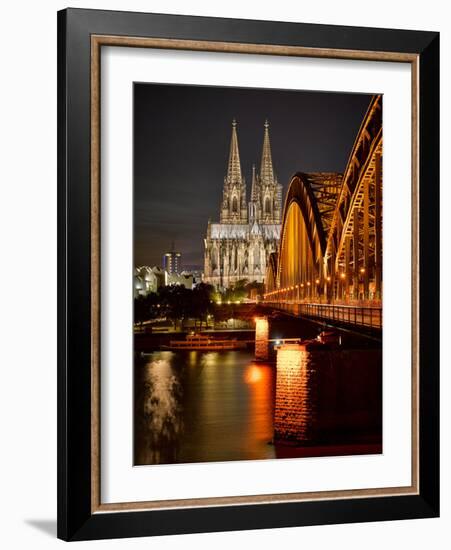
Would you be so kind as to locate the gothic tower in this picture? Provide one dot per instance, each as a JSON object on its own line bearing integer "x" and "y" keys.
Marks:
{"x": 238, "y": 247}
{"x": 233, "y": 208}
{"x": 254, "y": 203}
{"x": 270, "y": 191}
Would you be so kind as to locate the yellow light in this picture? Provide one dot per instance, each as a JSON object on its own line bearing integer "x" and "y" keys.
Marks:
{"x": 317, "y": 281}
{"x": 342, "y": 275}
{"x": 308, "y": 283}
{"x": 302, "y": 285}
{"x": 362, "y": 270}
{"x": 328, "y": 278}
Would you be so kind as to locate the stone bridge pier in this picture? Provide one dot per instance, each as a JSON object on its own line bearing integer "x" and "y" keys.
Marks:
{"x": 324, "y": 393}
{"x": 296, "y": 407}
{"x": 261, "y": 338}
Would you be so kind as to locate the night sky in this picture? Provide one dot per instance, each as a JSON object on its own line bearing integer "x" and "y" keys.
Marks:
{"x": 181, "y": 147}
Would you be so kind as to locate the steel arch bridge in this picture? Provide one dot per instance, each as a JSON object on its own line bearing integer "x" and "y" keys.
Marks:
{"x": 330, "y": 249}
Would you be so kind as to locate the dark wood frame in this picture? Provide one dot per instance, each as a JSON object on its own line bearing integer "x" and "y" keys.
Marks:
{"x": 81, "y": 33}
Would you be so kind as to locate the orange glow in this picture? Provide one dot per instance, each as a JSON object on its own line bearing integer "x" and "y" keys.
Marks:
{"x": 308, "y": 284}
{"x": 317, "y": 281}
{"x": 342, "y": 275}
{"x": 253, "y": 375}
{"x": 328, "y": 278}
{"x": 362, "y": 270}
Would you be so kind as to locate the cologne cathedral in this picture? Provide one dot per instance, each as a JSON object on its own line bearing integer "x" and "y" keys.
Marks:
{"x": 238, "y": 247}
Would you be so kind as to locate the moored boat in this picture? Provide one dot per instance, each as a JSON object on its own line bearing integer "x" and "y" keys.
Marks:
{"x": 204, "y": 342}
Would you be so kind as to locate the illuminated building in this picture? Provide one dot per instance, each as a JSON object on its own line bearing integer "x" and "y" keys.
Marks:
{"x": 238, "y": 247}
{"x": 172, "y": 261}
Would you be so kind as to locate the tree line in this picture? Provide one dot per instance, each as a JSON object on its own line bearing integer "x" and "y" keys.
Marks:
{"x": 178, "y": 303}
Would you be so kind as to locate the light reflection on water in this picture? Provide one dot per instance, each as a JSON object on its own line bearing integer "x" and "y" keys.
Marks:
{"x": 200, "y": 407}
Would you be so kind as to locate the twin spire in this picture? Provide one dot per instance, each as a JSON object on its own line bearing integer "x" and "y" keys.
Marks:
{"x": 266, "y": 193}
{"x": 234, "y": 174}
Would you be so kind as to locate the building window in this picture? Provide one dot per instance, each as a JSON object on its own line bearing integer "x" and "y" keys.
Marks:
{"x": 267, "y": 206}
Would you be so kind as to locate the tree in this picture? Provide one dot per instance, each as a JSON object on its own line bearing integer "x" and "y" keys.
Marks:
{"x": 145, "y": 308}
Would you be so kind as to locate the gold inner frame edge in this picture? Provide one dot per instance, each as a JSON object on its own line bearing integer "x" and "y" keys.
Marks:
{"x": 97, "y": 41}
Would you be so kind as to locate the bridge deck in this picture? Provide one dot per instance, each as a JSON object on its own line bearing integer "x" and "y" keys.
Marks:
{"x": 370, "y": 317}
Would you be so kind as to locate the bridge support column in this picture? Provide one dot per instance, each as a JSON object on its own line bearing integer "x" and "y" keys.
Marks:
{"x": 295, "y": 416}
{"x": 261, "y": 338}
{"x": 347, "y": 266}
{"x": 355, "y": 253}
{"x": 366, "y": 238}
{"x": 378, "y": 226}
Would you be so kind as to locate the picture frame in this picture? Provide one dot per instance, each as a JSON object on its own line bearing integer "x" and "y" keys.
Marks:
{"x": 81, "y": 36}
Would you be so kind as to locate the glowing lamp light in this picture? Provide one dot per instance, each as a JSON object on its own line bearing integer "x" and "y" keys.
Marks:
{"x": 362, "y": 270}
{"x": 342, "y": 275}
{"x": 308, "y": 283}
{"x": 302, "y": 285}
{"x": 317, "y": 281}
{"x": 328, "y": 278}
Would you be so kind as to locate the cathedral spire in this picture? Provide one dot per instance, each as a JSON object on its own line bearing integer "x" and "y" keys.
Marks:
{"x": 254, "y": 189}
{"x": 234, "y": 168}
{"x": 266, "y": 170}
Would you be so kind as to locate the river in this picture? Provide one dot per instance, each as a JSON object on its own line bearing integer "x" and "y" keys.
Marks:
{"x": 217, "y": 406}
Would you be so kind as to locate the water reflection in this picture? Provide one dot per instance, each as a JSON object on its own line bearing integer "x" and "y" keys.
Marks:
{"x": 194, "y": 406}
{"x": 201, "y": 407}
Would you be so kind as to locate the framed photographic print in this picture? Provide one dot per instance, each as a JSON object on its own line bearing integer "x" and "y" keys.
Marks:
{"x": 248, "y": 274}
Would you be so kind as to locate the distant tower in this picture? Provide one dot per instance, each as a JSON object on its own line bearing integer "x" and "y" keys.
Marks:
{"x": 233, "y": 208}
{"x": 269, "y": 188}
{"x": 172, "y": 261}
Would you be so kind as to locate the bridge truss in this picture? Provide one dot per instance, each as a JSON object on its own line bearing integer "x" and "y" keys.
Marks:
{"x": 330, "y": 248}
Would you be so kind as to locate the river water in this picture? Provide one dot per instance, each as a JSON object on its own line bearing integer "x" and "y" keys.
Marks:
{"x": 197, "y": 406}
{"x": 200, "y": 407}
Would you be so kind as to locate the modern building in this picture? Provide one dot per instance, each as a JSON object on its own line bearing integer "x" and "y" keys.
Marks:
{"x": 147, "y": 279}
{"x": 172, "y": 261}
{"x": 238, "y": 247}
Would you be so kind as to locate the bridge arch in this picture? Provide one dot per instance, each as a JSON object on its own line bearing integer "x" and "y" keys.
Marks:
{"x": 302, "y": 242}
{"x": 333, "y": 252}
{"x": 271, "y": 273}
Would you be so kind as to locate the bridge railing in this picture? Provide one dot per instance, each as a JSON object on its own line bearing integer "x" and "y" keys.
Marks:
{"x": 350, "y": 315}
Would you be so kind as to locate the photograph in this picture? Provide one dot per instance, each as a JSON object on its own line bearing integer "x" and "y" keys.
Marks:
{"x": 258, "y": 273}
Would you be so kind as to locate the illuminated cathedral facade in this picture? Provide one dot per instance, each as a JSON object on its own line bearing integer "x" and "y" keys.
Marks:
{"x": 238, "y": 247}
